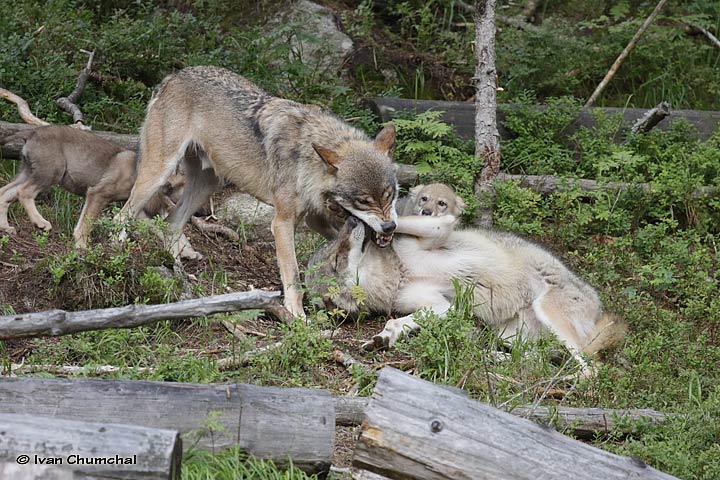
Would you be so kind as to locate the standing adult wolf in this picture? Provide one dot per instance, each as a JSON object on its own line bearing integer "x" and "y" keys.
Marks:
{"x": 295, "y": 157}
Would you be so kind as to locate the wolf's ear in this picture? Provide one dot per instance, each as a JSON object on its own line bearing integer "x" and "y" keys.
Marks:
{"x": 460, "y": 203}
{"x": 331, "y": 158}
{"x": 415, "y": 190}
{"x": 385, "y": 140}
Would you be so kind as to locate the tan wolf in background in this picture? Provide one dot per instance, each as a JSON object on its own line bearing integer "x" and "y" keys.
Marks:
{"x": 80, "y": 162}
{"x": 295, "y": 157}
{"x": 519, "y": 288}
{"x": 434, "y": 199}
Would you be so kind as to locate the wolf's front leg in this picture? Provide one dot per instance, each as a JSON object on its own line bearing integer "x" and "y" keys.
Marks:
{"x": 283, "y": 228}
{"x": 431, "y": 231}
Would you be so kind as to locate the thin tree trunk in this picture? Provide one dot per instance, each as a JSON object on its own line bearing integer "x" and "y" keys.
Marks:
{"x": 487, "y": 138}
{"x": 621, "y": 58}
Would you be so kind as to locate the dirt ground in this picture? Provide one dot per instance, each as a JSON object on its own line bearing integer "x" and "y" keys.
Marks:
{"x": 26, "y": 284}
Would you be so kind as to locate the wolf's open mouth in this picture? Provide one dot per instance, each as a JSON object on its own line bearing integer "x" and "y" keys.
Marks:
{"x": 381, "y": 240}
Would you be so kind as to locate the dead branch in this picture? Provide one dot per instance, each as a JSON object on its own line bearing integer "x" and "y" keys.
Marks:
{"x": 651, "y": 118}
{"x": 692, "y": 28}
{"x": 69, "y": 103}
{"x": 61, "y": 322}
{"x": 621, "y": 58}
{"x": 244, "y": 360}
{"x": 347, "y": 361}
{"x": 207, "y": 227}
{"x": 23, "y": 108}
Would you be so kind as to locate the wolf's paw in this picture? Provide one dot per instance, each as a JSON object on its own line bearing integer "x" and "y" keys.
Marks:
{"x": 378, "y": 342}
{"x": 43, "y": 225}
{"x": 7, "y": 229}
{"x": 190, "y": 254}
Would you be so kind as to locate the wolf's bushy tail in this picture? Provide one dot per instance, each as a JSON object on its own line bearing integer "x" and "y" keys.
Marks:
{"x": 609, "y": 330}
{"x": 21, "y": 135}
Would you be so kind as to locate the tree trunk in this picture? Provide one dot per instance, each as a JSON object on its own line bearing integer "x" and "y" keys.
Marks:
{"x": 280, "y": 424}
{"x": 61, "y": 322}
{"x": 119, "y": 451}
{"x": 414, "y": 429}
{"x": 487, "y": 138}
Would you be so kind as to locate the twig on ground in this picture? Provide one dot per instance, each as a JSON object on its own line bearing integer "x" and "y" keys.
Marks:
{"x": 16, "y": 368}
{"x": 692, "y": 28}
{"x": 207, "y": 227}
{"x": 651, "y": 118}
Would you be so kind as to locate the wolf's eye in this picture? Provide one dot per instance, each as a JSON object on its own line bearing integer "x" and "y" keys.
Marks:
{"x": 442, "y": 203}
{"x": 363, "y": 201}
{"x": 424, "y": 198}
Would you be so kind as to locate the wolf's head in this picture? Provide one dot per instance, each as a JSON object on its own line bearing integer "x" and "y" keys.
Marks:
{"x": 365, "y": 182}
{"x": 435, "y": 199}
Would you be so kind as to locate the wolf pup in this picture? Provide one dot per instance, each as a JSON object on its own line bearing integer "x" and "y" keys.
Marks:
{"x": 434, "y": 199}
{"x": 295, "y": 157}
{"x": 518, "y": 287}
{"x": 81, "y": 163}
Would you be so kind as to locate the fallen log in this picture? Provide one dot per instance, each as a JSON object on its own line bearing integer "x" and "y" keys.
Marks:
{"x": 61, "y": 322}
{"x": 415, "y": 429}
{"x": 462, "y": 116}
{"x": 280, "y": 424}
{"x": 91, "y": 449}
{"x": 34, "y": 472}
{"x": 581, "y": 422}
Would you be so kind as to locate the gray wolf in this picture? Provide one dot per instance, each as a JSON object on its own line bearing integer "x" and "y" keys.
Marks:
{"x": 298, "y": 158}
{"x": 519, "y": 288}
{"x": 434, "y": 199}
{"x": 81, "y": 163}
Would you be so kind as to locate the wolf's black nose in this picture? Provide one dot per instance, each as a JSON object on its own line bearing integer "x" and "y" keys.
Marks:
{"x": 426, "y": 212}
{"x": 388, "y": 227}
{"x": 353, "y": 221}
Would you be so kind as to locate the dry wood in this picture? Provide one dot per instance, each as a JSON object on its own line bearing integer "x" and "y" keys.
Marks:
{"x": 621, "y": 58}
{"x": 207, "y": 227}
{"x": 461, "y": 115}
{"x": 268, "y": 422}
{"x": 61, "y": 322}
{"x": 582, "y": 422}
{"x": 69, "y": 103}
{"x": 23, "y": 108}
{"x": 136, "y": 452}
{"x": 12, "y": 470}
{"x": 415, "y": 429}
{"x": 651, "y": 118}
{"x": 487, "y": 137}
{"x": 692, "y": 28}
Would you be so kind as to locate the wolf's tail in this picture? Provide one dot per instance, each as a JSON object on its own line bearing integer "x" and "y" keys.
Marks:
{"x": 609, "y": 330}
{"x": 21, "y": 135}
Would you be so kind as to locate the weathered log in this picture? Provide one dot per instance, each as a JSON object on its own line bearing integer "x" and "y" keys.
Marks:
{"x": 91, "y": 449}
{"x": 268, "y": 422}
{"x": 415, "y": 429}
{"x": 461, "y": 115}
{"x": 61, "y": 322}
{"x": 581, "y": 422}
{"x": 14, "y": 471}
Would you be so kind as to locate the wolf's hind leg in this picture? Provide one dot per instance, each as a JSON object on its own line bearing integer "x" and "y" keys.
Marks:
{"x": 200, "y": 184}
{"x": 26, "y": 193}
{"x": 8, "y": 194}
{"x": 412, "y": 298}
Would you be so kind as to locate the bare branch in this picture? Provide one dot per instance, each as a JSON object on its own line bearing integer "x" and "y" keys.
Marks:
{"x": 69, "y": 103}
{"x": 207, "y": 227}
{"x": 23, "y": 108}
{"x": 692, "y": 28}
{"x": 621, "y": 58}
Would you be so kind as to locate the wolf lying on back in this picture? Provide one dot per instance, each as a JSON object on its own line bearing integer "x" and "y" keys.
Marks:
{"x": 519, "y": 288}
{"x": 295, "y": 157}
